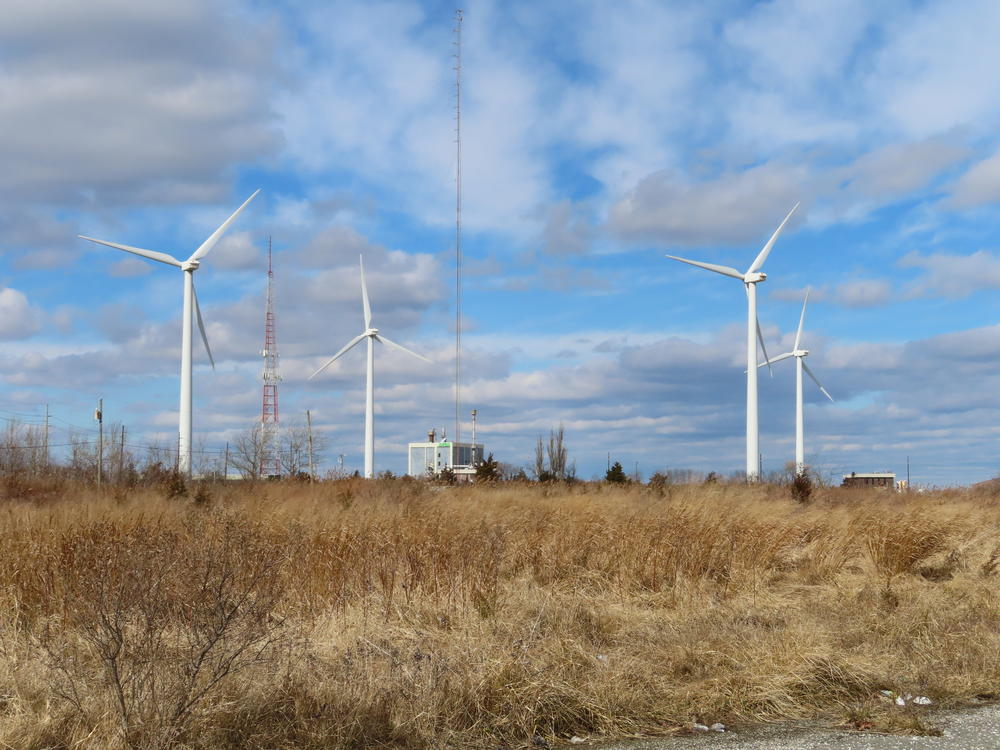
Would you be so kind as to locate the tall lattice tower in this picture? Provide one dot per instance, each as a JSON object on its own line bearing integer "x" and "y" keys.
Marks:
{"x": 270, "y": 464}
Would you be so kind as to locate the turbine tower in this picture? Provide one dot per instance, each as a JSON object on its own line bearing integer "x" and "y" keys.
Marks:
{"x": 750, "y": 279}
{"x": 800, "y": 365}
{"x": 270, "y": 464}
{"x": 190, "y": 305}
{"x": 373, "y": 335}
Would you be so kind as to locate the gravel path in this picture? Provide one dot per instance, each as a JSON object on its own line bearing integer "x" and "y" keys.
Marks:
{"x": 970, "y": 729}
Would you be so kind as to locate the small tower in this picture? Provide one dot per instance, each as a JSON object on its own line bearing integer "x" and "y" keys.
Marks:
{"x": 270, "y": 464}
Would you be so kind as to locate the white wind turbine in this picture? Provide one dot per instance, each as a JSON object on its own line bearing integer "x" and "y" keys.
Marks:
{"x": 188, "y": 266}
{"x": 373, "y": 335}
{"x": 800, "y": 365}
{"x": 750, "y": 279}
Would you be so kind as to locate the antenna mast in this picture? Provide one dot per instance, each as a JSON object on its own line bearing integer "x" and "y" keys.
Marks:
{"x": 458, "y": 224}
{"x": 269, "y": 460}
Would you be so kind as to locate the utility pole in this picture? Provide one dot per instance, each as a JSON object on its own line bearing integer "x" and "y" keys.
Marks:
{"x": 46, "y": 437}
{"x": 474, "y": 413}
{"x": 907, "y": 473}
{"x": 121, "y": 455}
{"x": 309, "y": 425}
{"x": 225, "y": 470}
{"x": 99, "y": 416}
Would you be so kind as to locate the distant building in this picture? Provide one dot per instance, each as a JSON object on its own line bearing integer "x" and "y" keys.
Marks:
{"x": 428, "y": 459}
{"x": 885, "y": 479}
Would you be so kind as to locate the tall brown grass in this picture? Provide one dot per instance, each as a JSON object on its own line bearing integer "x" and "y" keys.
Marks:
{"x": 350, "y": 614}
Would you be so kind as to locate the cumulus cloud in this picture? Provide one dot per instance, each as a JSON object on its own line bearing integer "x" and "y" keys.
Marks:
{"x": 862, "y": 293}
{"x": 238, "y": 251}
{"x": 566, "y": 232}
{"x": 129, "y": 268}
{"x": 730, "y": 208}
{"x": 18, "y": 318}
{"x": 168, "y": 125}
{"x": 979, "y": 186}
{"x": 857, "y": 293}
{"x": 954, "y": 276}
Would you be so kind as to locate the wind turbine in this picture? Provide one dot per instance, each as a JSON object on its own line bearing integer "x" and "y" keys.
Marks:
{"x": 188, "y": 266}
{"x": 750, "y": 279}
{"x": 800, "y": 365}
{"x": 373, "y": 335}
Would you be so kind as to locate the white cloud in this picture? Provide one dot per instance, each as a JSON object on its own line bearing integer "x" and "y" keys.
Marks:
{"x": 730, "y": 208}
{"x": 863, "y": 293}
{"x": 935, "y": 71}
{"x": 18, "y": 319}
{"x": 979, "y": 186}
{"x": 238, "y": 251}
{"x": 152, "y": 102}
{"x": 954, "y": 276}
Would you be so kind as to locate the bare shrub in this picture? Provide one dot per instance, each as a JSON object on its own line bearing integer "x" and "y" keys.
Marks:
{"x": 801, "y": 488}
{"x": 167, "y": 615}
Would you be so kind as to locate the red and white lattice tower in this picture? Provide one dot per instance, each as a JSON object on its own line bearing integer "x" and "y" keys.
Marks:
{"x": 269, "y": 461}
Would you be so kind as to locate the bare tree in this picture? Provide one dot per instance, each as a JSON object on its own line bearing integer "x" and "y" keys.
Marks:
{"x": 552, "y": 458}
{"x": 23, "y": 449}
{"x": 293, "y": 449}
{"x": 247, "y": 452}
{"x": 556, "y": 452}
{"x": 539, "y": 468}
{"x": 82, "y": 454}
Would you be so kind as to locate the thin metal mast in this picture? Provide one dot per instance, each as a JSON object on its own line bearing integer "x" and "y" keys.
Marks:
{"x": 458, "y": 225}
{"x": 269, "y": 461}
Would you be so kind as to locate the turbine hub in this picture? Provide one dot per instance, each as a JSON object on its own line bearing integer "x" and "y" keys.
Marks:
{"x": 190, "y": 265}
{"x": 801, "y": 353}
{"x": 371, "y": 332}
{"x": 753, "y": 278}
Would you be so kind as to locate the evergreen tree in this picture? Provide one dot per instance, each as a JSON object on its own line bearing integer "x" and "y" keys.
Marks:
{"x": 616, "y": 474}
{"x": 488, "y": 470}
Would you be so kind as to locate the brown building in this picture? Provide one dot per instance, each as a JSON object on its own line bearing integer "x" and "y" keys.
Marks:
{"x": 885, "y": 479}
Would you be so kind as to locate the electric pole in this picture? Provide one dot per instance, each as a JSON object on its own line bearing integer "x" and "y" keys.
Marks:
{"x": 309, "y": 426}
{"x": 99, "y": 416}
{"x": 121, "y": 455}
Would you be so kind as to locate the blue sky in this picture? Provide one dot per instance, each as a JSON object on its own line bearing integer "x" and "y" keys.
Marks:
{"x": 596, "y": 138}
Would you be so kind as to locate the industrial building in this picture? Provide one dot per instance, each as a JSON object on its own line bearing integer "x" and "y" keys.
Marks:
{"x": 430, "y": 458}
{"x": 885, "y": 479}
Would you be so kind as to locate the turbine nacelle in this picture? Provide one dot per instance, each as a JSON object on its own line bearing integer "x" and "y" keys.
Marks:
{"x": 800, "y": 353}
{"x": 753, "y": 278}
{"x": 190, "y": 265}
{"x": 371, "y": 332}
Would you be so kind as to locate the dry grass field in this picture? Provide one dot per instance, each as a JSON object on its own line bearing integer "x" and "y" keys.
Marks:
{"x": 356, "y": 614}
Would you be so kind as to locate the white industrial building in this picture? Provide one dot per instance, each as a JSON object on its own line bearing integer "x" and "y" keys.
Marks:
{"x": 428, "y": 459}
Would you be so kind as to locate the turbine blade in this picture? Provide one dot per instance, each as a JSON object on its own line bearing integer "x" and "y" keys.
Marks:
{"x": 201, "y": 325}
{"x": 762, "y": 256}
{"x": 802, "y": 318}
{"x": 170, "y": 260}
{"x": 208, "y": 244}
{"x": 384, "y": 340}
{"x": 334, "y": 358}
{"x": 364, "y": 295}
{"x": 760, "y": 338}
{"x": 816, "y": 380}
{"x": 776, "y": 359}
{"x": 724, "y": 270}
